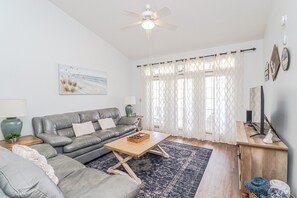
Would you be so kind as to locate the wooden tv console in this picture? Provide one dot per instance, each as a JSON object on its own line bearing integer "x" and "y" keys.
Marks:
{"x": 255, "y": 158}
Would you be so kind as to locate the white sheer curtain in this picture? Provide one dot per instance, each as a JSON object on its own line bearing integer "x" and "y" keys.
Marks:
{"x": 228, "y": 72}
{"x": 197, "y": 98}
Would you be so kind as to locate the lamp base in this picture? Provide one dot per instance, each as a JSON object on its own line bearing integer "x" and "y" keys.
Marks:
{"x": 11, "y": 128}
{"x": 129, "y": 111}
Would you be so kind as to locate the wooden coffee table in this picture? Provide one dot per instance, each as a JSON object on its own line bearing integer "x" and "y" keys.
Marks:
{"x": 135, "y": 150}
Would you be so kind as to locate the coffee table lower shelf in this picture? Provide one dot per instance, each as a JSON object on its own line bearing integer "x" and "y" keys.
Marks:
{"x": 123, "y": 162}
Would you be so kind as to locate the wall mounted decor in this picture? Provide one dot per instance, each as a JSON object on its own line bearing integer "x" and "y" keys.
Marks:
{"x": 274, "y": 62}
{"x": 81, "y": 81}
{"x": 285, "y": 59}
{"x": 266, "y": 72}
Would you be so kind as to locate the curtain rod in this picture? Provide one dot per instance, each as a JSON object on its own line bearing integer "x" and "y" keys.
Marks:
{"x": 232, "y": 52}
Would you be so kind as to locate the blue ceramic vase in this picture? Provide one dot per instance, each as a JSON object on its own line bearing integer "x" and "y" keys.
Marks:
{"x": 11, "y": 128}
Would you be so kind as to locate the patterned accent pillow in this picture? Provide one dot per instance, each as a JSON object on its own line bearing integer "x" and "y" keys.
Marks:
{"x": 39, "y": 160}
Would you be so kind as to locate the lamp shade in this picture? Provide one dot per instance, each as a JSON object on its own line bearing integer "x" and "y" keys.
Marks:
{"x": 13, "y": 108}
{"x": 130, "y": 100}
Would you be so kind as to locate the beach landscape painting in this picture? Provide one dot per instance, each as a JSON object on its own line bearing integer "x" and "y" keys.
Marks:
{"x": 81, "y": 81}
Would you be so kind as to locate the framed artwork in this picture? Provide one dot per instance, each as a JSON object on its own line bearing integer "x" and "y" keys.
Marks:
{"x": 81, "y": 81}
{"x": 274, "y": 62}
{"x": 285, "y": 59}
{"x": 266, "y": 72}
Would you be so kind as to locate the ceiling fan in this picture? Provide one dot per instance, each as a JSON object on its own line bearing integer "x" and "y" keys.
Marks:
{"x": 149, "y": 19}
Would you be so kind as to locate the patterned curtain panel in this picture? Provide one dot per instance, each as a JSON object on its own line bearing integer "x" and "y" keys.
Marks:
{"x": 197, "y": 98}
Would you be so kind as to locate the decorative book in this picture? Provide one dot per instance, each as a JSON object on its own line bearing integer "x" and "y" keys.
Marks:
{"x": 139, "y": 137}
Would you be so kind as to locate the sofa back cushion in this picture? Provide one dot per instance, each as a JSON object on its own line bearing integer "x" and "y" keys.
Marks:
{"x": 113, "y": 113}
{"x": 93, "y": 116}
{"x": 22, "y": 178}
{"x": 61, "y": 124}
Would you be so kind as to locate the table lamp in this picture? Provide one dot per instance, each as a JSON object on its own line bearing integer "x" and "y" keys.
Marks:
{"x": 129, "y": 101}
{"x": 10, "y": 109}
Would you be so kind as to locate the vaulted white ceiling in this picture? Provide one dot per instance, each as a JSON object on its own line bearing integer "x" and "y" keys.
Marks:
{"x": 201, "y": 23}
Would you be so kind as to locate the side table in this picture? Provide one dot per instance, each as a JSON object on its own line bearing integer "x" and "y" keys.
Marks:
{"x": 27, "y": 140}
{"x": 139, "y": 118}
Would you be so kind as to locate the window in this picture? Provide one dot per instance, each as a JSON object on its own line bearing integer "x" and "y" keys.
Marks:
{"x": 195, "y": 97}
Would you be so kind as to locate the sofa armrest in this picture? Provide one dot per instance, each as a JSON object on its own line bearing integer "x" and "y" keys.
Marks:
{"x": 54, "y": 140}
{"x": 128, "y": 120}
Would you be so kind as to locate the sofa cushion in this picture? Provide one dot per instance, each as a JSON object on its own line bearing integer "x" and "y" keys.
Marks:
{"x": 106, "y": 134}
{"x": 68, "y": 132}
{"x": 93, "y": 116}
{"x": 85, "y": 128}
{"x": 81, "y": 142}
{"x": 53, "y": 123}
{"x": 45, "y": 149}
{"x": 2, "y": 194}
{"x": 113, "y": 113}
{"x": 64, "y": 166}
{"x": 92, "y": 184}
{"x": 22, "y": 178}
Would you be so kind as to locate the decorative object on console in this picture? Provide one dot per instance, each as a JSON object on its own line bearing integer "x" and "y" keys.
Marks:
{"x": 268, "y": 137}
{"x": 249, "y": 117}
{"x": 12, "y": 126}
{"x": 274, "y": 62}
{"x": 81, "y": 81}
{"x": 285, "y": 59}
{"x": 278, "y": 184}
{"x": 267, "y": 71}
{"x": 129, "y": 101}
{"x": 257, "y": 185}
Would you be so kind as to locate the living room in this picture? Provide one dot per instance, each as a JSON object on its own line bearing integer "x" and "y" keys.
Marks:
{"x": 41, "y": 37}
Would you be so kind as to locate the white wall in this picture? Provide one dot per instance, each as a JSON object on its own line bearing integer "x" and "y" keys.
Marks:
{"x": 253, "y": 67}
{"x": 36, "y": 36}
{"x": 281, "y": 94}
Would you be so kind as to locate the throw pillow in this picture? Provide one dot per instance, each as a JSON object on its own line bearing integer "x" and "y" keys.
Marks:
{"x": 83, "y": 128}
{"x": 106, "y": 123}
{"x": 22, "y": 178}
{"x": 33, "y": 155}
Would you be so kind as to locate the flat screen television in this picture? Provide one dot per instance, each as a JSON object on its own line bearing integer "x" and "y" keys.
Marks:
{"x": 257, "y": 108}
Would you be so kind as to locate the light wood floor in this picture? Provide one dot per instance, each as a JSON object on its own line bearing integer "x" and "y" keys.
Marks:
{"x": 220, "y": 179}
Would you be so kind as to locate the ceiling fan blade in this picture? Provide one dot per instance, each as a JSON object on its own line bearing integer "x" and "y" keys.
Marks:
{"x": 132, "y": 14}
{"x": 131, "y": 25}
{"x": 165, "y": 25}
{"x": 163, "y": 12}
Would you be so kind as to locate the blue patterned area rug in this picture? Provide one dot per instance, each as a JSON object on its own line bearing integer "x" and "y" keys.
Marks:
{"x": 177, "y": 176}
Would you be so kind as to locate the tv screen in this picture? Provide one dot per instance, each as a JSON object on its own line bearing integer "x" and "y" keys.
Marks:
{"x": 257, "y": 108}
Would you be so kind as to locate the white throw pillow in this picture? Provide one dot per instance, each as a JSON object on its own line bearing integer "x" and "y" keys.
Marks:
{"x": 39, "y": 160}
{"x": 83, "y": 128}
{"x": 106, "y": 123}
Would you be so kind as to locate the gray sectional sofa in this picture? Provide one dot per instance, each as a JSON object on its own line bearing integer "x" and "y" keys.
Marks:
{"x": 57, "y": 131}
{"x": 22, "y": 178}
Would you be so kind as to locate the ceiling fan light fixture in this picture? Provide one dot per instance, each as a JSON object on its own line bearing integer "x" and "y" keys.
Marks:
{"x": 148, "y": 24}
